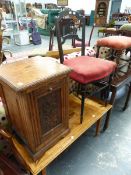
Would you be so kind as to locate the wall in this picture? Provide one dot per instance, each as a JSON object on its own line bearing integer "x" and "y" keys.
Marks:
{"x": 125, "y": 3}
{"x": 87, "y": 5}
{"x": 115, "y": 7}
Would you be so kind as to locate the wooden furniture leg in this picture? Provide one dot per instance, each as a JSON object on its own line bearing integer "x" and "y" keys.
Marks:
{"x": 43, "y": 172}
{"x": 51, "y": 42}
{"x": 109, "y": 112}
{"x": 98, "y": 124}
{"x": 127, "y": 98}
{"x": 106, "y": 124}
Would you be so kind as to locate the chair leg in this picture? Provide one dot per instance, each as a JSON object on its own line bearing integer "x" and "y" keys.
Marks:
{"x": 112, "y": 100}
{"x": 106, "y": 124}
{"x": 108, "y": 90}
{"x": 51, "y": 42}
{"x": 127, "y": 98}
{"x": 98, "y": 33}
{"x": 73, "y": 43}
{"x": 82, "y": 102}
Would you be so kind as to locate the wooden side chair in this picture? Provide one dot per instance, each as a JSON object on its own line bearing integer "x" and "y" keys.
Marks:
{"x": 8, "y": 167}
{"x": 85, "y": 69}
{"x": 87, "y": 43}
{"x": 123, "y": 72}
{"x": 13, "y": 164}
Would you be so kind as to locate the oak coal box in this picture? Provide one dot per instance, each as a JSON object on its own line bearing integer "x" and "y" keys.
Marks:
{"x": 35, "y": 95}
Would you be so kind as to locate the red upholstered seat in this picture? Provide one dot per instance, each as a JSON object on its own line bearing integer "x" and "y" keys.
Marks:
{"x": 88, "y": 69}
{"x": 115, "y": 42}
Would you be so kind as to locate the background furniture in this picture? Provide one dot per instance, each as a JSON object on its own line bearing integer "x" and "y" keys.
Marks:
{"x": 2, "y": 51}
{"x": 87, "y": 43}
{"x": 52, "y": 14}
{"x": 50, "y": 6}
{"x": 92, "y": 17}
{"x": 36, "y": 102}
{"x": 123, "y": 29}
{"x": 16, "y": 19}
{"x": 101, "y": 10}
{"x": 120, "y": 17}
{"x": 62, "y": 3}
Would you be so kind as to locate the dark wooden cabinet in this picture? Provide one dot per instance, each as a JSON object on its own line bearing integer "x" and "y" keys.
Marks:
{"x": 35, "y": 94}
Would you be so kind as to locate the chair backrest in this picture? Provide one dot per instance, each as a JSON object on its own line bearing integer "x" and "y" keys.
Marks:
{"x": 66, "y": 29}
{"x": 89, "y": 42}
{"x": 1, "y": 53}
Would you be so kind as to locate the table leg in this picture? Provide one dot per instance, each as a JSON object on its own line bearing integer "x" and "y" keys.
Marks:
{"x": 98, "y": 123}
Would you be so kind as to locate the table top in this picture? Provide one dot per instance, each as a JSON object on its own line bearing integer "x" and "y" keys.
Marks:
{"x": 24, "y": 74}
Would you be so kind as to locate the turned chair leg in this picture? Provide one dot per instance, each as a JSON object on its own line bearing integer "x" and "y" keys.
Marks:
{"x": 83, "y": 91}
{"x": 82, "y": 108}
{"x": 51, "y": 41}
{"x": 127, "y": 98}
{"x": 106, "y": 124}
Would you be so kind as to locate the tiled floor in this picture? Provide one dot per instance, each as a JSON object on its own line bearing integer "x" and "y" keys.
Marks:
{"x": 45, "y": 43}
{"x": 107, "y": 154}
